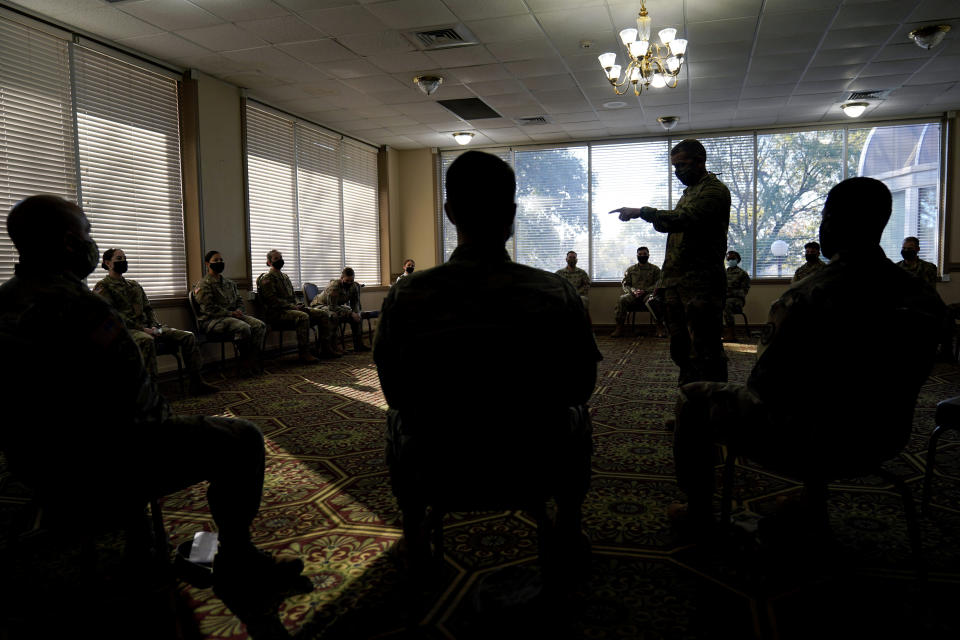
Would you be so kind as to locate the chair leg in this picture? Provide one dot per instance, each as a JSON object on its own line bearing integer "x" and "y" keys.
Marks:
{"x": 726, "y": 499}
{"x": 913, "y": 523}
{"x": 176, "y": 354}
{"x": 928, "y": 474}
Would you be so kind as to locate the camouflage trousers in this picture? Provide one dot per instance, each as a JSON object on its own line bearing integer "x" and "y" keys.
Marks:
{"x": 303, "y": 319}
{"x": 693, "y": 322}
{"x": 627, "y": 303}
{"x": 247, "y": 329}
{"x": 731, "y": 307}
{"x": 342, "y": 314}
{"x": 185, "y": 341}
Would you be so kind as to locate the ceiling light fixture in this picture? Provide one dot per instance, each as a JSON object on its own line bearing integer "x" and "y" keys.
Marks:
{"x": 651, "y": 64}
{"x": 854, "y": 109}
{"x": 668, "y": 122}
{"x": 463, "y": 137}
{"x": 930, "y": 36}
{"x": 428, "y": 85}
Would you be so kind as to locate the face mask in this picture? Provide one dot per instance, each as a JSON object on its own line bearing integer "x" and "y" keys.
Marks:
{"x": 84, "y": 258}
{"x": 731, "y": 263}
{"x": 217, "y": 267}
{"x": 812, "y": 257}
{"x": 643, "y": 259}
{"x": 684, "y": 175}
{"x": 409, "y": 269}
{"x": 120, "y": 266}
{"x": 278, "y": 264}
{"x": 909, "y": 254}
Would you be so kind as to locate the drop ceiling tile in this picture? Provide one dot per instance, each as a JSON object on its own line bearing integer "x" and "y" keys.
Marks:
{"x": 302, "y": 104}
{"x": 823, "y": 86}
{"x": 397, "y": 62}
{"x": 253, "y": 80}
{"x": 498, "y": 123}
{"x": 304, "y": 5}
{"x": 394, "y": 98}
{"x": 506, "y": 29}
{"x": 707, "y": 108}
{"x": 802, "y": 116}
{"x": 285, "y": 29}
{"x": 736, "y": 51}
{"x": 769, "y": 77}
{"x": 332, "y": 115}
{"x": 716, "y": 69}
{"x": 473, "y": 10}
{"x": 752, "y": 104}
{"x": 356, "y": 68}
{"x": 559, "y": 81}
{"x": 342, "y": 21}
{"x": 382, "y": 43}
{"x": 709, "y": 95}
{"x": 855, "y": 16}
{"x": 480, "y": 73}
{"x": 213, "y": 64}
{"x": 285, "y": 93}
{"x": 566, "y": 23}
{"x": 872, "y": 83}
{"x": 364, "y": 124}
{"x": 411, "y": 129}
{"x": 421, "y": 110}
{"x": 863, "y": 36}
{"x": 902, "y": 51}
{"x": 852, "y": 55}
{"x": 790, "y": 6}
{"x": 548, "y": 137}
{"x": 105, "y": 21}
{"x": 375, "y": 84}
{"x": 510, "y": 100}
{"x": 624, "y": 15}
{"x": 523, "y": 50}
{"x": 585, "y": 61}
{"x": 165, "y": 46}
{"x": 235, "y": 10}
{"x": 222, "y": 37}
{"x": 400, "y": 142}
{"x": 892, "y": 67}
{"x": 548, "y": 5}
{"x": 593, "y": 79}
{"x": 776, "y": 62}
{"x": 454, "y": 92}
{"x": 785, "y": 25}
{"x": 510, "y": 134}
{"x": 804, "y": 45}
{"x": 580, "y": 117}
{"x": 171, "y": 15}
{"x": 934, "y": 10}
{"x": 531, "y": 68}
{"x": 312, "y": 52}
{"x": 700, "y": 10}
{"x": 768, "y": 90}
{"x": 397, "y": 121}
{"x": 348, "y": 98}
{"x": 581, "y": 126}
{"x": 838, "y": 72}
{"x": 461, "y": 57}
{"x": 409, "y": 14}
{"x": 450, "y": 124}
{"x": 520, "y": 111}
{"x": 810, "y": 99}
{"x": 735, "y": 30}
{"x": 496, "y": 87}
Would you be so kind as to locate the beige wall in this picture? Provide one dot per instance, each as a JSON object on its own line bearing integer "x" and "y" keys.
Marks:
{"x": 413, "y": 222}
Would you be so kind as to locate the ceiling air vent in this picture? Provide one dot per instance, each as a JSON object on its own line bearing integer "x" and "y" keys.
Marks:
{"x": 875, "y": 94}
{"x": 525, "y": 122}
{"x": 446, "y": 37}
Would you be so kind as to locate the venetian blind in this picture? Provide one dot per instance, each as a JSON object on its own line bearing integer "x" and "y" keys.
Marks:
{"x": 36, "y": 124}
{"x": 128, "y": 134}
{"x": 318, "y": 170}
{"x": 361, "y": 216}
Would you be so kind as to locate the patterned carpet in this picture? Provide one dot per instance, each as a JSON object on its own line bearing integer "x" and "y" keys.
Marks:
{"x": 327, "y": 500}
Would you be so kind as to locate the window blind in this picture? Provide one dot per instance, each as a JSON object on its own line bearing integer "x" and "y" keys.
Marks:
{"x": 318, "y": 168}
{"x": 361, "y": 217}
{"x": 128, "y": 134}
{"x": 36, "y": 124}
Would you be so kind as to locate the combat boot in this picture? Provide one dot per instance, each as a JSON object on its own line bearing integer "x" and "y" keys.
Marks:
{"x": 618, "y": 331}
{"x": 199, "y": 387}
{"x": 729, "y": 334}
{"x": 306, "y": 357}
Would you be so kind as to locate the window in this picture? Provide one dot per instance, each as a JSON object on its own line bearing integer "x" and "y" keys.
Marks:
{"x": 314, "y": 196}
{"x": 106, "y": 137}
{"x": 778, "y": 182}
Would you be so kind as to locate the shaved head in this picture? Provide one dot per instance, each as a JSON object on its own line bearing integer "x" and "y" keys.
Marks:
{"x": 40, "y": 224}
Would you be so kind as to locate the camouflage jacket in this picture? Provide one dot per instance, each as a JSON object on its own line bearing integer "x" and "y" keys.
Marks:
{"x": 641, "y": 276}
{"x": 738, "y": 283}
{"x": 697, "y": 240}
{"x": 275, "y": 292}
{"x": 217, "y": 297}
{"x": 58, "y": 335}
{"x": 130, "y": 301}
{"x": 807, "y": 269}
{"x": 926, "y": 271}
{"x": 336, "y": 296}
{"x": 579, "y": 278}
{"x": 827, "y": 329}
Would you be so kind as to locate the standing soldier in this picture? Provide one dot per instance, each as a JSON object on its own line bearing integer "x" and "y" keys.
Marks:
{"x": 693, "y": 279}
{"x": 811, "y": 252}
{"x": 342, "y": 299}
{"x": 738, "y": 284}
{"x": 222, "y": 311}
{"x": 579, "y": 278}
{"x": 639, "y": 281}
{"x": 281, "y": 308}
{"x": 130, "y": 301}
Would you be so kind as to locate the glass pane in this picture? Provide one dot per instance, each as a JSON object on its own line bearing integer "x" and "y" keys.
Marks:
{"x": 795, "y": 172}
{"x": 907, "y": 159}
{"x": 551, "y": 206}
{"x": 627, "y": 175}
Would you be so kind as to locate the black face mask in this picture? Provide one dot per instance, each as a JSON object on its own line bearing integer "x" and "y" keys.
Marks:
{"x": 909, "y": 254}
{"x": 409, "y": 269}
{"x": 812, "y": 257}
{"x": 278, "y": 264}
{"x": 643, "y": 259}
{"x": 685, "y": 175}
{"x": 217, "y": 267}
{"x": 120, "y": 266}
{"x": 84, "y": 258}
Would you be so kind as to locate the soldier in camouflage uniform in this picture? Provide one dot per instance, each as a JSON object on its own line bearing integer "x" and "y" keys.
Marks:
{"x": 341, "y": 299}
{"x": 222, "y": 311}
{"x": 408, "y": 267}
{"x": 111, "y": 434}
{"x": 862, "y": 412}
{"x": 579, "y": 278}
{"x": 130, "y": 301}
{"x": 738, "y": 284}
{"x": 693, "y": 279}
{"x": 912, "y": 264}
{"x": 811, "y": 253}
{"x": 275, "y": 294}
{"x": 639, "y": 282}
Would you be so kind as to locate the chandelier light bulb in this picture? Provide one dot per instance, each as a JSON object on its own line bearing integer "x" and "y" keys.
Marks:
{"x": 614, "y": 74}
{"x": 667, "y": 35}
{"x": 627, "y": 36}
{"x": 638, "y": 48}
{"x": 463, "y": 137}
{"x": 607, "y": 60}
{"x": 673, "y": 64}
{"x": 658, "y": 81}
{"x": 635, "y": 75}
{"x": 854, "y": 109}
{"x": 678, "y": 46}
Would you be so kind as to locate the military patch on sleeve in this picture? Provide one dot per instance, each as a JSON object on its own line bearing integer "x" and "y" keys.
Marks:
{"x": 98, "y": 289}
{"x": 766, "y": 335}
{"x": 107, "y": 331}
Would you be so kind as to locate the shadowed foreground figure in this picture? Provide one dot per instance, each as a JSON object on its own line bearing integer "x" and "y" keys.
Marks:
{"x": 111, "y": 443}
{"x": 486, "y": 403}
{"x": 868, "y": 370}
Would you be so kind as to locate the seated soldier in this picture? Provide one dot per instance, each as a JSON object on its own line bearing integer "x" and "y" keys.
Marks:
{"x": 408, "y": 266}
{"x": 912, "y": 264}
{"x": 738, "y": 284}
{"x": 498, "y": 420}
{"x": 130, "y": 448}
{"x": 275, "y": 293}
{"x": 341, "y": 298}
{"x": 222, "y": 311}
{"x": 639, "y": 282}
{"x": 863, "y": 410}
{"x": 811, "y": 253}
{"x": 579, "y": 278}
{"x": 130, "y": 301}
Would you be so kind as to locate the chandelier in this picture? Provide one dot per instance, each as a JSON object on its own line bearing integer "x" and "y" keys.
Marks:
{"x": 651, "y": 64}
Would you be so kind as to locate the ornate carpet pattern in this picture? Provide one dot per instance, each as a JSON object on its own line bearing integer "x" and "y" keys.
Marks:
{"x": 328, "y": 501}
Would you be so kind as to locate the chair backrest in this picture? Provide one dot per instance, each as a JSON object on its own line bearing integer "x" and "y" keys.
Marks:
{"x": 310, "y": 292}
{"x": 195, "y": 313}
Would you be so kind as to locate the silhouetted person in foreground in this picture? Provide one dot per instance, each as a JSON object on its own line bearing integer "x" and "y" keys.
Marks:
{"x": 868, "y": 367}
{"x": 97, "y": 452}
{"x": 486, "y": 365}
